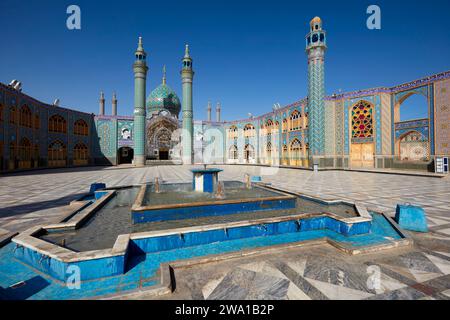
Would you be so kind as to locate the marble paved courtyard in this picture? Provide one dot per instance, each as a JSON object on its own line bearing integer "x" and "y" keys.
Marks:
{"x": 317, "y": 272}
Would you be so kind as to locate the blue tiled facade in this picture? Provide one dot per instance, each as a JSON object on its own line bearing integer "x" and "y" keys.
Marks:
{"x": 318, "y": 126}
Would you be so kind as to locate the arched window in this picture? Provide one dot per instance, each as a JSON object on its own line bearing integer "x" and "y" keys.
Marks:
{"x": 284, "y": 155}
{"x": 80, "y": 154}
{"x": 362, "y": 120}
{"x": 233, "y": 133}
{"x": 25, "y": 153}
{"x": 25, "y": 116}
{"x": 295, "y": 121}
{"x": 249, "y": 153}
{"x": 233, "y": 153}
{"x": 295, "y": 151}
{"x": 249, "y": 131}
{"x": 57, "y": 154}
{"x": 37, "y": 121}
{"x": 12, "y": 115}
{"x": 269, "y": 128}
{"x": 81, "y": 128}
{"x": 25, "y": 149}
{"x": 284, "y": 125}
{"x": 57, "y": 124}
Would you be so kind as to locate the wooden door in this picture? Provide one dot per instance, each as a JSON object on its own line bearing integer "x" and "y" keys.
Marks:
{"x": 362, "y": 155}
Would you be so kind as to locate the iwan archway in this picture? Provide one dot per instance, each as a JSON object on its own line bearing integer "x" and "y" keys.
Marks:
{"x": 412, "y": 126}
{"x": 362, "y": 150}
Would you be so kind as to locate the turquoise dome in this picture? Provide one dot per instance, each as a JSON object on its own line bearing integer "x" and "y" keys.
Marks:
{"x": 163, "y": 98}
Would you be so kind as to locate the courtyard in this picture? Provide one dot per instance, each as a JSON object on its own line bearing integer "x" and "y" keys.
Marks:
{"x": 318, "y": 271}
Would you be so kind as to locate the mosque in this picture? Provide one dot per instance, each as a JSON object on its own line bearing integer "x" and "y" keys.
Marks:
{"x": 359, "y": 129}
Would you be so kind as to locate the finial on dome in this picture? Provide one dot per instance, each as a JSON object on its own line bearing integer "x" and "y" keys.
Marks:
{"x": 140, "y": 45}
{"x": 164, "y": 75}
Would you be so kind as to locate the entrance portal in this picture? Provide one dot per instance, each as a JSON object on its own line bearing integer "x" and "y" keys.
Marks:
{"x": 125, "y": 155}
{"x": 362, "y": 155}
{"x": 163, "y": 154}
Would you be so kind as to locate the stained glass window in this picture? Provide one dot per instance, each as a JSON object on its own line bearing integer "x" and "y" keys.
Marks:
{"x": 362, "y": 120}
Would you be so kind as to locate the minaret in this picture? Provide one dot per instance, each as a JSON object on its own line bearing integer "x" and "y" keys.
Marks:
{"x": 218, "y": 112}
{"x": 209, "y": 110}
{"x": 187, "y": 76}
{"x": 114, "y": 104}
{"x": 164, "y": 75}
{"x": 140, "y": 75}
{"x": 101, "y": 110}
{"x": 315, "y": 48}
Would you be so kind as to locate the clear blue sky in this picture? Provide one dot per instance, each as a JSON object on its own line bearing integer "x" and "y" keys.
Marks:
{"x": 247, "y": 54}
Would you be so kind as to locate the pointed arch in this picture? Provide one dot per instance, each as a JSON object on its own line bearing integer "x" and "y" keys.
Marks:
{"x": 413, "y": 146}
{"x": 57, "y": 124}
{"x": 249, "y": 131}
{"x": 233, "y": 154}
{"x": 249, "y": 153}
{"x": 295, "y": 121}
{"x": 25, "y": 116}
{"x": 81, "y": 128}
{"x": 362, "y": 120}
{"x": 233, "y": 132}
{"x": 284, "y": 125}
{"x": 80, "y": 154}
{"x": 284, "y": 155}
{"x": 57, "y": 154}
{"x": 295, "y": 152}
{"x": 25, "y": 151}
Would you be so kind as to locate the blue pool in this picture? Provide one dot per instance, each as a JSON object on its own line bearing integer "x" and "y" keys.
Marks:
{"x": 141, "y": 269}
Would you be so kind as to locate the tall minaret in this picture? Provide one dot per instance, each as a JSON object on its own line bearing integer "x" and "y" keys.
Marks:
{"x": 209, "y": 110}
{"x": 140, "y": 75}
{"x": 187, "y": 76}
{"x": 164, "y": 75}
{"x": 114, "y": 104}
{"x": 101, "y": 110}
{"x": 315, "y": 48}
{"x": 218, "y": 112}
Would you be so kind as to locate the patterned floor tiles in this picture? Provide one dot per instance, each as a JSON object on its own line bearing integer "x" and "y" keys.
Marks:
{"x": 321, "y": 272}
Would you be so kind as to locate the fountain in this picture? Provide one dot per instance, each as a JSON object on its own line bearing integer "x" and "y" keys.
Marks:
{"x": 100, "y": 238}
{"x": 205, "y": 197}
{"x": 205, "y": 180}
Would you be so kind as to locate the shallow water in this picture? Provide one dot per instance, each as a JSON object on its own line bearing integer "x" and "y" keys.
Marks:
{"x": 184, "y": 194}
{"x": 114, "y": 219}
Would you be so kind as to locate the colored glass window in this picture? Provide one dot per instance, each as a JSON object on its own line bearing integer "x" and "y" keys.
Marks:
{"x": 362, "y": 120}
